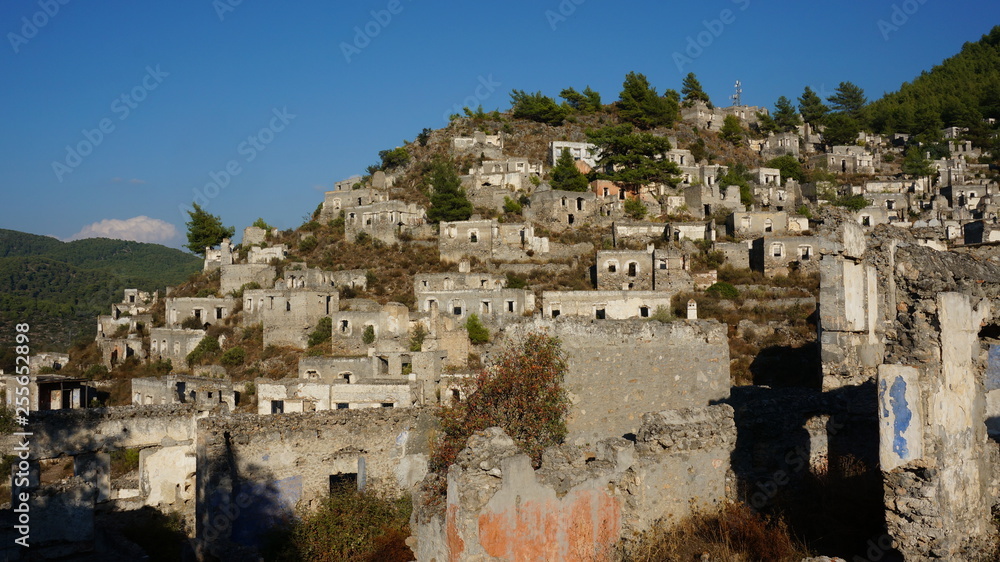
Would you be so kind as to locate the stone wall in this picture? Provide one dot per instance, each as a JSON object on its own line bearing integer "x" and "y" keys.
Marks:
{"x": 578, "y": 504}
{"x": 173, "y": 344}
{"x": 253, "y": 470}
{"x": 604, "y": 305}
{"x": 617, "y": 370}
{"x": 288, "y": 315}
{"x": 234, "y": 277}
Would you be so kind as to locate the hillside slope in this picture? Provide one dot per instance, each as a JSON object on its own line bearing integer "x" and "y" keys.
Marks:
{"x": 59, "y": 288}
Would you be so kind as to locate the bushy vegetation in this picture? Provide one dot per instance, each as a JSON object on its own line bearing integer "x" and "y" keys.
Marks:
{"x": 368, "y": 336}
{"x": 734, "y": 533}
{"x": 348, "y": 526}
{"x": 478, "y": 334}
{"x": 521, "y": 392}
{"x": 205, "y": 352}
{"x": 322, "y": 332}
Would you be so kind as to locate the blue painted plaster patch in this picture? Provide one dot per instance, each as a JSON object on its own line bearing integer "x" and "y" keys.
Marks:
{"x": 902, "y": 416}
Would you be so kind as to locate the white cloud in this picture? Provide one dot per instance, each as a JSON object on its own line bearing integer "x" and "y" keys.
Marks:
{"x": 139, "y": 229}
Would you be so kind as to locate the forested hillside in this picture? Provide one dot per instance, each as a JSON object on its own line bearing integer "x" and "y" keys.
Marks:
{"x": 59, "y": 288}
{"x": 961, "y": 91}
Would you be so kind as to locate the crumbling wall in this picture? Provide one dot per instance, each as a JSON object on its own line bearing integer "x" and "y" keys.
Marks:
{"x": 578, "y": 505}
{"x": 617, "y": 370}
{"x": 253, "y": 470}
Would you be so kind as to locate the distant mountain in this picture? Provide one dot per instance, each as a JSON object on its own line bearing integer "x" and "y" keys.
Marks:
{"x": 59, "y": 288}
{"x": 961, "y": 91}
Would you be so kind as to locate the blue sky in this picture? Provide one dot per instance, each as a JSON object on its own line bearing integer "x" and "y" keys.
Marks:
{"x": 116, "y": 115}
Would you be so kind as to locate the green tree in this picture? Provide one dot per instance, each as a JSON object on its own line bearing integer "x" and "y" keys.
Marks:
{"x": 261, "y": 223}
{"x": 521, "y": 392}
{"x": 916, "y": 164}
{"x": 322, "y": 332}
{"x": 634, "y": 158}
{"x": 848, "y": 99}
{"x": 640, "y": 105}
{"x": 565, "y": 175}
{"x": 424, "y": 136}
{"x": 731, "y": 130}
{"x": 841, "y": 129}
{"x": 448, "y": 201}
{"x": 766, "y": 124}
{"x": 205, "y": 230}
{"x": 635, "y": 209}
{"x": 790, "y": 168}
{"x": 395, "y": 158}
{"x": 692, "y": 91}
{"x": 812, "y": 108}
{"x": 477, "y": 332}
{"x": 587, "y": 102}
{"x": 738, "y": 175}
{"x": 785, "y": 116}
{"x": 368, "y": 336}
{"x": 537, "y": 107}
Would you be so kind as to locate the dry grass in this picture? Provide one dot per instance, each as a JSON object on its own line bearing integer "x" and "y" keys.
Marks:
{"x": 735, "y": 533}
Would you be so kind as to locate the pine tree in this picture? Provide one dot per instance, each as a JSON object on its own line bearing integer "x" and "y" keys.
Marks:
{"x": 537, "y": 107}
{"x": 693, "y": 92}
{"x": 848, "y": 99}
{"x": 841, "y": 130}
{"x": 640, "y": 105}
{"x": 565, "y": 175}
{"x": 916, "y": 164}
{"x": 812, "y": 108}
{"x": 587, "y": 102}
{"x": 731, "y": 130}
{"x": 635, "y": 158}
{"x": 205, "y": 230}
{"x": 785, "y": 116}
{"x": 448, "y": 201}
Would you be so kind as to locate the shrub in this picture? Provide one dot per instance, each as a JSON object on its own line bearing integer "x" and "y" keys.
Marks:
{"x": 516, "y": 281}
{"x": 362, "y": 238}
{"x": 521, "y": 392}
{"x": 635, "y": 209}
{"x": 735, "y": 533}
{"x": 511, "y": 206}
{"x": 192, "y": 323}
{"x": 417, "y": 338}
{"x": 368, "y": 337}
{"x": 96, "y": 372}
{"x": 308, "y": 244}
{"x": 348, "y": 525}
{"x": 723, "y": 290}
{"x": 124, "y": 461}
{"x": 233, "y": 357}
{"x": 322, "y": 333}
{"x": 662, "y": 314}
{"x": 477, "y": 332}
{"x": 204, "y": 351}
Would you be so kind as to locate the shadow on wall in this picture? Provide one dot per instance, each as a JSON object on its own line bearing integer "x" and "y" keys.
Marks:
{"x": 240, "y": 504}
{"x": 812, "y": 457}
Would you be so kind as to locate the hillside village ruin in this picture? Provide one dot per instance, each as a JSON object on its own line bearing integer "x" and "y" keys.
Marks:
{"x": 907, "y": 328}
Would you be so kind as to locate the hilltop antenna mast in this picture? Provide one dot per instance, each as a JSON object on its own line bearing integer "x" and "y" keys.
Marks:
{"x": 738, "y": 96}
